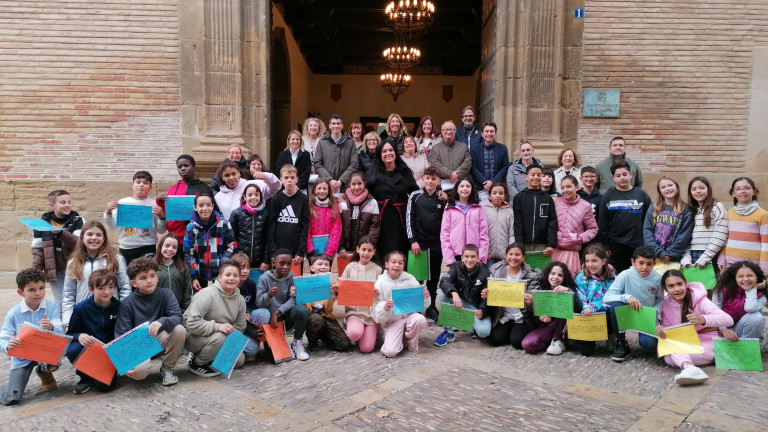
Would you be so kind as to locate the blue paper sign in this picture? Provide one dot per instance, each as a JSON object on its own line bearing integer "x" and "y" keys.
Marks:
{"x": 229, "y": 352}
{"x": 134, "y": 216}
{"x": 255, "y": 274}
{"x": 601, "y": 103}
{"x": 132, "y": 348}
{"x": 408, "y": 300}
{"x": 314, "y": 288}
{"x": 38, "y": 224}
{"x": 179, "y": 207}
{"x": 578, "y": 13}
{"x": 320, "y": 244}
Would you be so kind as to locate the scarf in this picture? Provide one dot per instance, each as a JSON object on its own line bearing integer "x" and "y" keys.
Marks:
{"x": 252, "y": 210}
{"x": 322, "y": 203}
{"x": 356, "y": 199}
{"x": 745, "y": 209}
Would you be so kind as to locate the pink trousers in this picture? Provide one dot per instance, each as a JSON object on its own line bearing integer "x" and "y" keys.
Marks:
{"x": 408, "y": 329}
{"x": 363, "y": 334}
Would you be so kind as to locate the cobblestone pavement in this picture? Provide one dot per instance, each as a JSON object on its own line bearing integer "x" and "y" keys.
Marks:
{"x": 465, "y": 386}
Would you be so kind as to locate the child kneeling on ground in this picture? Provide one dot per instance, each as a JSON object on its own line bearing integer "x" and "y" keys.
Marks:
{"x": 322, "y": 324}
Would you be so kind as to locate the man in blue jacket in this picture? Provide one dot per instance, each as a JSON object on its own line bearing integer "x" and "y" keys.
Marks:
{"x": 489, "y": 161}
{"x": 468, "y": 133}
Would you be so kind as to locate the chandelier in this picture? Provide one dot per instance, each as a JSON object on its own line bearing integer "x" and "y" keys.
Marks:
{"x": 410, "y": 18}
{"x": 400, "y": 57}
{"x": 395, "y": 84}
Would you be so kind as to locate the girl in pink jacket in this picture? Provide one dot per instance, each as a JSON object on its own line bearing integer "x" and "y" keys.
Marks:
{"x": 324, "y": 221}
{"x": 576, "y": 224}
{"x": 688, "y": 303}
{"x": 464, "y": 222}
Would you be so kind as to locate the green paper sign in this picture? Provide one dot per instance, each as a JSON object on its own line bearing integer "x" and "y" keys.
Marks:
{"x": 455, "y": 317}
{"x": 705, "y": 276}
{"x": 643, "y": 321}
{"x": 418, "y": 266}
{"x": 552, "y": 304}
{"x": 740, "y": 355}
{"x": 537, "y": 260}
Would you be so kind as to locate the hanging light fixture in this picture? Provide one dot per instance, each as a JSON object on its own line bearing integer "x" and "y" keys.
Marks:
{"x": 410, "y": 18}
{"x": 400, "y": 56}
{"x": 395, "y": 84}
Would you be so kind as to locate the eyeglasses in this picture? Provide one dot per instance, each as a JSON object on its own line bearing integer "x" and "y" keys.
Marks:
{"x": 743, "y": 189}
{"x": 449, "y": 130}
{"x": 589, "y": 176}
{"x": 467, "y": 115}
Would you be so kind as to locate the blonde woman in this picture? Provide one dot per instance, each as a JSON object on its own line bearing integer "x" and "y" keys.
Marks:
{"x": 296, "y": 156}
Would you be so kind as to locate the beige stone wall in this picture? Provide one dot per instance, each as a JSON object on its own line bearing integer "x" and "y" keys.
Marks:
{"x": 689, "y": 91}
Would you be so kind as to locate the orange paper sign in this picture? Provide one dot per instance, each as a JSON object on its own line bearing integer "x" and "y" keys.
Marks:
{"x": 94, "y": 362}
{"x": 355, "y": 293}
{"x": 341, "y": 263}
{"x": 296, "y": 268}
{"x": 278, "y": 344}
{"x": 39, "y": 345}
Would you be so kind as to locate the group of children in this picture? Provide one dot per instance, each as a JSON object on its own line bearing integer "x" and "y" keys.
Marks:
{"x": 267, "y": 223}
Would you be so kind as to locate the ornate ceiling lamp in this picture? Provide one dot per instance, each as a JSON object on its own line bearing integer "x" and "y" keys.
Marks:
{"x": 410, "y": 18}
{"x": 395, "y": 84}
{"x": 401, "y": 57}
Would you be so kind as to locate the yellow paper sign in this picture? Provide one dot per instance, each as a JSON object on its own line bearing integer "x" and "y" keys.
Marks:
{"x": 588, "y": 327}
{"x": 661, "y": 266}
{"x": 680, "y": 340}
{"x": 505, "y": 293}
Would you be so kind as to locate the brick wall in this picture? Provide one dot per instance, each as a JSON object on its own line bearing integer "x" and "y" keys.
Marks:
{"x": 89, "y": 90}
{"x": 684, "y": 68}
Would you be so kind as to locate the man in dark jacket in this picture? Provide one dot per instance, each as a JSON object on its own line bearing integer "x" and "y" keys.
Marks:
{"x": 468, "y": 133}
{"x": 336, "y": 155}
{"x": 535, "y": 216}
{"x": 489, "y": 161}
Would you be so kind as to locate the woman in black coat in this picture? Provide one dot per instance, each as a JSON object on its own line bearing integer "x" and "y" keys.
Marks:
{"x": 294, "y": 155}
{"x": 390, "y": 181}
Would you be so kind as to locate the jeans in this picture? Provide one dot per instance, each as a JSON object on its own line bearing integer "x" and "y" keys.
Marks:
{"x": 481, "y": 327}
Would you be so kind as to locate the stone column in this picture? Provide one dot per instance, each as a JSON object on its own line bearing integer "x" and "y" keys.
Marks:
{"x": 224, "y": 52}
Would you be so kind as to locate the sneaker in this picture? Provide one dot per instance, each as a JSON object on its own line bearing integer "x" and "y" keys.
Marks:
{"x": 432, "y": 313}
{"x": 202, "y": 370}
{"x": 250, "y": 358}
{"x": 169, "y": 376}
{"x": 691, "y": 375}
{"x": 621, "y": 352}
{"x": 473, "y": 335}
{"x": 190, "y": 357}
{"x": 444, "y": 338}
{"x": 82, "y": 386}
{"x": 47, "y": 380}
{"x": 313, "y": 345}
{"x": 556, "y": 347}
{"x": 610, "y": 344}
{"x": 298, "y": 350}
{"x": 289, "y": 332}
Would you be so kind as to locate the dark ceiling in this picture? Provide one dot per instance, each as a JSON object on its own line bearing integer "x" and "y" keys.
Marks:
{"x": 348, "y": 36}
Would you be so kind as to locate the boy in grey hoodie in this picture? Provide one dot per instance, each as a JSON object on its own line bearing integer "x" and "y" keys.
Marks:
{"x": 637, "y": 286}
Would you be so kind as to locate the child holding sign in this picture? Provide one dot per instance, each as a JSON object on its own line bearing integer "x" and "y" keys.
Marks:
{"x": 638, "y": 286}
{"x": 189, "y": 185}
{"x": 361, "y": 327}
{"x": 741, "y": 293}
{"x": 137, "y": 242}
{"x": 688, "y": 302}
{"x": 215, "y": 312}
{"x": 34, "y": 308}
{"x": 92, "y": 253}
{"x": 591, "y": 285}
{"x": 510, "y": 324}
{"x": 93, "y": 321}
{"x": 277, "y": 293}
{"x": 462, "y": 287}
{"x": 322, "y": 324}
{"x": 324, "y": 220}
{"x": 398, "y": 328}
{"x": 555, "y": 277}
{"x": 208, "y": 241}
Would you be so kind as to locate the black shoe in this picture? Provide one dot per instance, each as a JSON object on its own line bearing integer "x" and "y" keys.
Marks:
{"x": 432, "y": 313}
{"x": 313, "y": 345}
{"x": 83, "y": 386}
{"x": 202, "y": 370}
{"x": 622, "y": 352}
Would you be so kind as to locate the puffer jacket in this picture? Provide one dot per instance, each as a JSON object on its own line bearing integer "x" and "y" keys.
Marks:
{"x": 45, "y": 243}
{"x": 501, "y": 230}
{"x": 540, "y": 223}
{"x": 575, "y": 223}
{"x": 251, "y": 233}
{"x": 324, "y": 226}
{"x": 367, "y": 215}
{"x": 76, "y": 291}
{"x": 516, "y": 181}
{"x": 469, "y": 285}
{"x": 531, "y": 279}
{"x": 459, "y": 229}
{"x": 365, "y": 160}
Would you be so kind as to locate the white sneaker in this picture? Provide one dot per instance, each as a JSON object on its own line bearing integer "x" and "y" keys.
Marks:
{"x": 691, "y": 375}
{"x": 298, "y": 350}
{"x": 555, "y": 348}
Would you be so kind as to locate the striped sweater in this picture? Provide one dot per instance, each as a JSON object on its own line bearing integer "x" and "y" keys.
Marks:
{"x": 707, "y": 240}
{"x": 747, "y": 239}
